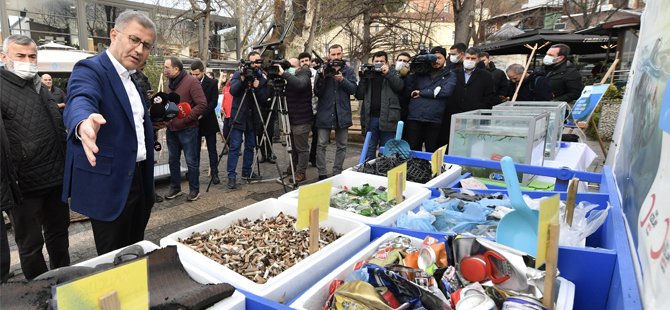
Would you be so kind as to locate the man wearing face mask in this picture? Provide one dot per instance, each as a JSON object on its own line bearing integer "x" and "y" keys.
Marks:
{"x": 428, "y": 92}
{"x": 566, "y": 82}
{"x": 402, "y": 66}
{"x": 533, "y": 88}
{"x": 456, "y": 54}
{"x": 35, "y": 138}
{"x": 380, "y": 111}
{"x": 299, "y": 104}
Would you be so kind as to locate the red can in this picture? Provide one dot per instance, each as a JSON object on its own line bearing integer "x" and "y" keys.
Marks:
{"x": 389, "y": 297}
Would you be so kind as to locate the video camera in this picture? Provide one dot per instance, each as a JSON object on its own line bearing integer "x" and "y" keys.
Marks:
{"x": 272, "y": 70}
{"x": 422, "y": 62}
{"x": 327, "y": 67}
{"x": 371, "y": 70}
{"x": 248, "y": 71}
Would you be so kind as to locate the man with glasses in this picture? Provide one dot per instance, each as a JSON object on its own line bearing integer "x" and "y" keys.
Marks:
{"x": 109, "y": 164}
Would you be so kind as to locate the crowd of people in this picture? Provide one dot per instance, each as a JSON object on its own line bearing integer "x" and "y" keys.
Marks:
{"x": 92, "y": 150}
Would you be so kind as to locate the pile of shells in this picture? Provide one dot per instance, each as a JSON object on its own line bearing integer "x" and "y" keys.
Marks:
{"x": 260, "y": 249}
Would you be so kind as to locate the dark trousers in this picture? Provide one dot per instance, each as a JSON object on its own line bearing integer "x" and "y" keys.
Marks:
{"x": 315, "y": 142}
{"x": 211, "y": 151}
{"x": 129, "y": 227}
{"x": 423, "y": 133}
{"x": 5, "y": 261}
{"x": 39, "y": 220}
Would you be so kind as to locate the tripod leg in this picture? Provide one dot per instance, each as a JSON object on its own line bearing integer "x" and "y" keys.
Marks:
{"x": 266, "y": 136}
{"x": 286, "y": 133}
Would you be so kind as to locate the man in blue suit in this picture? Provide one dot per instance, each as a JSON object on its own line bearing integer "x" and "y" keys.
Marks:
{"x": 109, "y": 162}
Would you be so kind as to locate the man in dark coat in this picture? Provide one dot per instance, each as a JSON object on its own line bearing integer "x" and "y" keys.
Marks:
{"x": 499, "y": 77}
{"x": 566, "y": 82}
{"x": 208, "y": 124}
{"x": 533, "y": 88}
{"x": 36, "y": 140}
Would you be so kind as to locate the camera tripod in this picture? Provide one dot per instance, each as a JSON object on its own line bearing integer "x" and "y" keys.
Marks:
{"x": 250, "y": 90}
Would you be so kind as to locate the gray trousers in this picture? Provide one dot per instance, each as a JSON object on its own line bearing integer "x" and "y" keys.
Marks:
{"x": 341, "y": 137}
{"x": 300, "y": 154}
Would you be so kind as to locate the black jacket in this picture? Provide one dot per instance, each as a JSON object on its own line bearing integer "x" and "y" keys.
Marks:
{"x": 299, "y": 96}
{"x": 477, "y": 93}
{"x": 534, "y": 88}
{"x": 208, "y": 123}
{"x": 499, "y": 78}
{"x": 389, "y": 114}
{"x": 10, "y": 195}
{"x": 35, "y": 131}
{"x": 434, "y": 89}
{"x": 566, "y": 82}
{"x": 248, "y": 114}
{"x": 334, "y": 107}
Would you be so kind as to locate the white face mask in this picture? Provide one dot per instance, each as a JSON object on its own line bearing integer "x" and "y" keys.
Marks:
{"x": 453, "y": 59}
{"x": 25, "y": 70}
{"x": 399, "y": 65}
{"x": 548, "y": 60}
{"x": 469, "y": 64}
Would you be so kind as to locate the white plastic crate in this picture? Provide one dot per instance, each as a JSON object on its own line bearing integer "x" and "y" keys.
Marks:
{"x": 234, "y": 302}
{"x": 414, "y": 195}
{"x": 292, "y": 281}
{"x": 450, "y": 174}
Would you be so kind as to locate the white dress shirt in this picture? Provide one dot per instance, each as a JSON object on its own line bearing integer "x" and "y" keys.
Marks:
{"x": 135, "y": 104}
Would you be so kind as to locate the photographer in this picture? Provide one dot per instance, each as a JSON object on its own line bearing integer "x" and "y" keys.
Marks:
{"x": 428, "y": 92}
{"x": 333, "y": 86}
{"x": 299, "y": 105}
{"x": 249, "y": 79}
{"x": 379, "y": 88}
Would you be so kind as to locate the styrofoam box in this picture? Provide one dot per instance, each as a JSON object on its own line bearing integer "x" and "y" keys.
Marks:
{"x": 316, "y": 296}
{"x": 414, "y": 195}
{"x": 291, "y": 282}
{"x": 234, "y": 302}
{"x": 451, "y": 173}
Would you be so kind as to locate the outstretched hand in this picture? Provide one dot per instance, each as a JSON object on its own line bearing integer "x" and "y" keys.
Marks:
{"x": 88, "y": 131}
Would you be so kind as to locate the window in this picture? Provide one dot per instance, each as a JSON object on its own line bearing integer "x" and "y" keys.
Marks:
{"x": 446, "y": 8}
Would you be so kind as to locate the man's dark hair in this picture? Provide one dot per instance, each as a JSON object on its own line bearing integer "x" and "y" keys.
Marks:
{"x": 381, "y": 54}
{"x": 563, "y": 50}
{"x": 335, "y": 46}
{"x": 473, "y": 51}
{"x": 460, "y": 47}
{"x": 176, "y": 62}
{"x": 304, "y": 55}
{"x": 484, "y": 54}
{"x": 197, "y": 65}
{"x": 252, "y": 53}
{"x": 403, "y": 54}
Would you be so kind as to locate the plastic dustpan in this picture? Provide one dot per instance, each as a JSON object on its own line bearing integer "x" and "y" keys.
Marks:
{"x": 517, "y": 229}
{"x": 397, "y": 146}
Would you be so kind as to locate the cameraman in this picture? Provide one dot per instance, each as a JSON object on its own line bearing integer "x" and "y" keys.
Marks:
{"x": 245, "y": 117}
{"x": 379, "y": 88}
{"x": 428, "y": 93}
{"x": 299, "y": 104}
{"x": 334, "y": 86}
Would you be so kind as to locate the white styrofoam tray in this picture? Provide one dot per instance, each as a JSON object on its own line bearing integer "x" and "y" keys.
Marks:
{"x": 414, "y": 195}
{"x": 234, "y": 302}
{"x": 316, "y": 296}
{"x": 450, "y": 174}
{"x": 291, "y": 282}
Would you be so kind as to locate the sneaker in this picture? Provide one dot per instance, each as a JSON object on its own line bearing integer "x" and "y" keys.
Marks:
{"x": 193, "y": 196}
{"x": 252, "y": 177}
{"x": 173, "y": 193}
{"x": 232, "y": 183}
{"x": 216, "y": 180}
{"x": 322, "y": 177}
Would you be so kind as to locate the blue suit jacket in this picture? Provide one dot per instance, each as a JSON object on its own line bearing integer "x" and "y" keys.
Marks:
{"x": 101, "y": 192}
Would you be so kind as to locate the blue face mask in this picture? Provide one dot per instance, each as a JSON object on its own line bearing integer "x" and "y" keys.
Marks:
{"x": 291, "y": 71}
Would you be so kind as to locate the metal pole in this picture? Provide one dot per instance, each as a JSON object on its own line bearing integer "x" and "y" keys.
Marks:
{"x": 82, "y": 34}
{"x": 4, "y": 19}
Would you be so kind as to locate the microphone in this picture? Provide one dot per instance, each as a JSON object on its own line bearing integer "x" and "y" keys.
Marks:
{"x": 184, "y": 110}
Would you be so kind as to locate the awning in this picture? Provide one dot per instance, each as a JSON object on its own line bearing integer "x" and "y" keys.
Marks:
{"x": 579, "y": 43}
{"x": 54, "y": 61}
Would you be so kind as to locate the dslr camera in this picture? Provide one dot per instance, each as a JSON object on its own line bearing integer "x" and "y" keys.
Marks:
{"x": 422, "y": 62}
{"x": 371, "y": 70}
{"x": 328, "y": 67}
{"x": 248, "y": 71}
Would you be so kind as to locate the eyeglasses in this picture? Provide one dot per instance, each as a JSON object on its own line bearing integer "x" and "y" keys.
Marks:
{"x": 135, "y": 41}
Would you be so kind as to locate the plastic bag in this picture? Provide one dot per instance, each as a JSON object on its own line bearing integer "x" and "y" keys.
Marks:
{"x": 421, "y": 221}
{"x": 585, "y": 221}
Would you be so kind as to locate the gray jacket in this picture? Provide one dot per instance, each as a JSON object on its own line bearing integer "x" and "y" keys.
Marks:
{"x": 334, "y": 107}
{"x": 389, "y": 114}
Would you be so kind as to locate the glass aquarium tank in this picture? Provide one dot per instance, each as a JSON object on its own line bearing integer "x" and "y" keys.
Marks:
{"x": 557, "y": 112}
{"x": 493, "y": 134}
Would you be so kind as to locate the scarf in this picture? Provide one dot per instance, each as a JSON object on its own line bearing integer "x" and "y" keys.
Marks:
{"x": 174, "y": 82}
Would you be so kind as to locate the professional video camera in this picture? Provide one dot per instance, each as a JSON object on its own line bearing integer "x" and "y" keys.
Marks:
{"x": 248, "y": 71}
{"x": 422, "y": 62}
{"x": 272, "y": 70}
{"x": 327, "y": 67}
{"x": 371, "y": 70}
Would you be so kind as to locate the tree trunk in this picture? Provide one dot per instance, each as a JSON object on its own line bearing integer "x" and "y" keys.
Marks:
{"x": 366, "y": 47}
{"x": 204, "y": 45}
{"x": 313, "y": 8}
{"x": 462, "y": 19}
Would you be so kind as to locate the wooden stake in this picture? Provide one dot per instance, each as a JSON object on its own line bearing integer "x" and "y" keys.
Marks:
{"x": 611, "y": 69}
{"x": 525, "y": 69}
{"x": 399, "y": 187}
{"x": 110, "y": 301}
{"x": 314, "y": 230}
{"x": 571, "y": 200}
{"x": 550, "y": 266}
